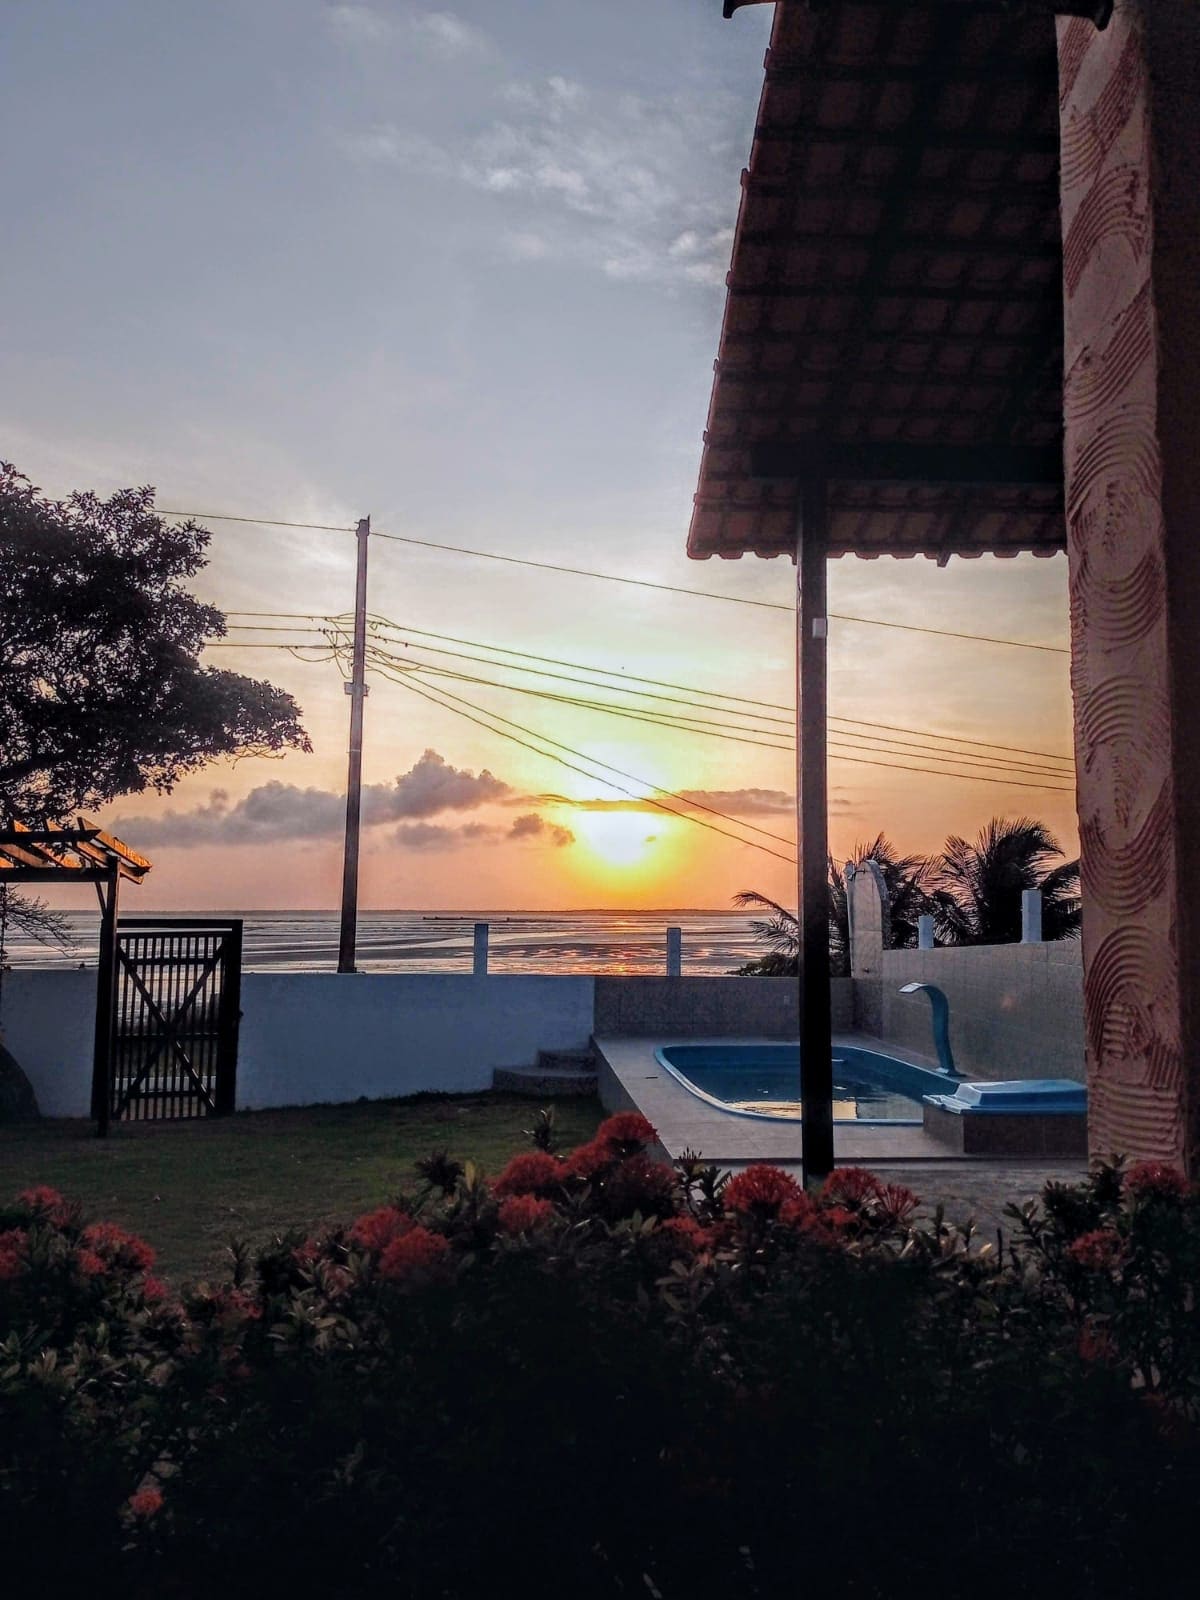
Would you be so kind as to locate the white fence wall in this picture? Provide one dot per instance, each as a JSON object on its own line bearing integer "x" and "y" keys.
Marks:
{"x": 48, "y": 1021}
{"x": 308, "y": 1037}
{"x": 317, "y": 1036}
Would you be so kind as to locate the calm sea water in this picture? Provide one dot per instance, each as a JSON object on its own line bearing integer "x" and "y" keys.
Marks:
{"x": 439, "y": 941}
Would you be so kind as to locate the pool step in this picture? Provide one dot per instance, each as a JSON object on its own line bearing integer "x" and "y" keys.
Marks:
{"x": 554, "y": 1073}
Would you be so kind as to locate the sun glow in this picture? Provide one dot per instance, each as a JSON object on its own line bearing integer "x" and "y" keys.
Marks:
{"x": 619, "y": 839}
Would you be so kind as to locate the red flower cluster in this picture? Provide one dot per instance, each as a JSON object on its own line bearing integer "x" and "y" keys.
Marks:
{"x": 532, "y": 1173}
{"x": 1098, "y": 1251}
{"x": 896, "y": 1204}
{"x": 91, "y": 1264}
{"x": 639, "y": 1184}
{"x": 377, "y": 1229}
{"x": 146, "y": 1502}
{"x": 760, "y": 1191}
{"x": 590, "y": 1160}
{"x": 851, "y": 1186}
{"x": 1156, "y": 1178}
{"x": 521, "y": 1213}
{"x": 626, "y": 1132}
{"x": 45, "y": 1202}
{"x": 413, "y": 1253}
{"x": 12, "y": 1253}
{"x": 686, "y": 1234}
{"x": 116, "y": 1247}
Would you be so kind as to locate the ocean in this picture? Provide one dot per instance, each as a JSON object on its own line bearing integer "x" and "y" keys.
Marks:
{"x": 621, "y": 942}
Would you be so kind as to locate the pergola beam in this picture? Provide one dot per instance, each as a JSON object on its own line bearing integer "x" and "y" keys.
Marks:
{"x": 1028, "y": 466}
{"x": 1097, "y": 11}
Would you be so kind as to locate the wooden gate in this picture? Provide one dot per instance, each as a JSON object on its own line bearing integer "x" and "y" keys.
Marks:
{"x": 175, "y": 1019}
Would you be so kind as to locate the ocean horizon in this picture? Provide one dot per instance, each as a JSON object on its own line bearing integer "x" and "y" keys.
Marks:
{"x": 569, "y": 942}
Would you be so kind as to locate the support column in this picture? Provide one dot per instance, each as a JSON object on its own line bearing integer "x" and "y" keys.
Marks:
{"x": 106, "y": 1001}
{"x": 812, "y": 834}
{"x": 1130, "y": 141}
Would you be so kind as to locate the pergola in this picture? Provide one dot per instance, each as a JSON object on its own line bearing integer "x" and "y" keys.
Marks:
{"x": 963, "y": 318}
{"x": 68, "y": 856}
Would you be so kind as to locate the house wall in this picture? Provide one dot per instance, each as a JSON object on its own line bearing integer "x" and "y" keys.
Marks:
{"x": 1130, "y": 174}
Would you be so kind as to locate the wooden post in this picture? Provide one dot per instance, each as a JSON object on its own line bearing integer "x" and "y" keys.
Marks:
{"x": 356, "y": 688}
{"x": 106, "y": 1001}
{"x": 812, "y": 628}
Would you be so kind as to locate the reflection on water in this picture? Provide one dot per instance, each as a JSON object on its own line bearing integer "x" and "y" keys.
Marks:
{"x": 631, "y": 943}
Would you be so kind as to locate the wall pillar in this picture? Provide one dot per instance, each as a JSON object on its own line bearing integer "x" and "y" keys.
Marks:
{"x": 1130, "y": 140}
{"x": 870, "y": 925}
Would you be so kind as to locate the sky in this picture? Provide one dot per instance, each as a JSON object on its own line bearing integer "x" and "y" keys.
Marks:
{"x": 462, "y": 270}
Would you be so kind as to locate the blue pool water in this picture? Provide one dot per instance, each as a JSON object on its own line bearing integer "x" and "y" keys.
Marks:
{"x": 763, "y": 1080}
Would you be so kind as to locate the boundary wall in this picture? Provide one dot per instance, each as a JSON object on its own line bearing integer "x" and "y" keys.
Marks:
{"x": 1016, "y": 1010}
{"x": 320, "y": 1037}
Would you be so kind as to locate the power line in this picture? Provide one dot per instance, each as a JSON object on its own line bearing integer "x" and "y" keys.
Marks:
{"x": 890, "y": 766}
{"x": 691, "y": 724}
{"x": 1013, "y": 773}
{"x": 614, "y": 577}
{"x": 714, "y": 694}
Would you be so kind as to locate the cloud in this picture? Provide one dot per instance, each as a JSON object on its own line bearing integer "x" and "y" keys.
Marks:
{"x": 429, "y": 786}
{"x": 442, "y": 32}
{"x": 607, "y": 180}
{"x": 533, "y": 826}
{"x": 744, "y": 802}
{"x": 448, "y": 34}
{"x": 278, "y": 811}
{"x": 737, "y": 802}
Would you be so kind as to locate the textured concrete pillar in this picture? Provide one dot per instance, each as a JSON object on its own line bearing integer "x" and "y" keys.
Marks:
{"x": 870, "y": 923}
{"x": 479, "y": 964}
{"x": 1130, "y": 129}
{"x": 925, "y": 933}
{"x": 1031, "y": 916}
{"x": 674, "y": 952}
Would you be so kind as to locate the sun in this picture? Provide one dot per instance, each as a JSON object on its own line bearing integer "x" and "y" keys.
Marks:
{"x": 619, "y": 839}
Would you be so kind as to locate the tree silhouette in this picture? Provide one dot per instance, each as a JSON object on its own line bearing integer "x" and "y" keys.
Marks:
{"x": 977, "y": 886}
{"x": 101, "y": 688}
{"x": 908, "y": 882}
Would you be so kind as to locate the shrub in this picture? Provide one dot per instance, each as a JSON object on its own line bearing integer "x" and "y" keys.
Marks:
{"x": 609, "y": 1376}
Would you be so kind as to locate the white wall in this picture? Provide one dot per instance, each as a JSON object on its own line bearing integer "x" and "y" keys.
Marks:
{"x": 48, "y": 1020}
{"x": 318, "y": 1036}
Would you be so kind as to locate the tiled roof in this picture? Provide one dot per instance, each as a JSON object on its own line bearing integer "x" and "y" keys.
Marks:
{"x": 896, "y": 282}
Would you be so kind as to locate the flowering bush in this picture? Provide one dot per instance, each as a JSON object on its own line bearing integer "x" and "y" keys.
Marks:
{"x": 696, "y": 1381}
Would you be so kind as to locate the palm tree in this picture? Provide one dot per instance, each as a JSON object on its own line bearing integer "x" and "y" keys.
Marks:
{"x": 977, "y": 886}
{"x": 908, "y": 884}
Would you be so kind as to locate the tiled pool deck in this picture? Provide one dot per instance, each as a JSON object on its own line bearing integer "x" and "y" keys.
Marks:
{"x": 969, "y": 1186}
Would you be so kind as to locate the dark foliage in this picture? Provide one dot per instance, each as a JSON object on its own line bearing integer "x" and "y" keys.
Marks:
{"x": 600, "y": 1378}
{"x": 977, "y": 886}
{"x": 101, "y": 689}
{"x": 907, "y": 879}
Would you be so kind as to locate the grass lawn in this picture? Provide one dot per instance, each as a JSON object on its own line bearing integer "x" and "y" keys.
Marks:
{"x": 188, "y": 1187}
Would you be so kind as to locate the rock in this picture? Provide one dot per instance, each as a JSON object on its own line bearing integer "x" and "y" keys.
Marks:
{"x": 18, "y": 1103}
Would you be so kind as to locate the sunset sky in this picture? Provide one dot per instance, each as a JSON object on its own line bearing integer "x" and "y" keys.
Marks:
{"x": 462, "y": 270}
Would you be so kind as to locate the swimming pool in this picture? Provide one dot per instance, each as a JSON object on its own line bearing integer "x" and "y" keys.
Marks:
{"x": 763, "y": 1080}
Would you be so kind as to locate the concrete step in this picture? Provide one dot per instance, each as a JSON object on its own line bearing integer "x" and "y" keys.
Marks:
{"x": 543, "y": 1082}
{"x": 567, "y": 1060}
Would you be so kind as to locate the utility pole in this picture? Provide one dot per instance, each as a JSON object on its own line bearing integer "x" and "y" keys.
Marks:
{"x": 356, "y": 688}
